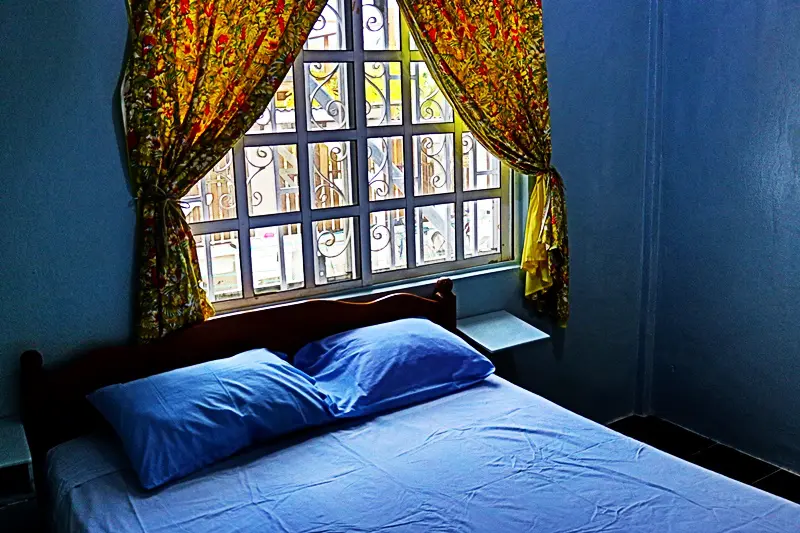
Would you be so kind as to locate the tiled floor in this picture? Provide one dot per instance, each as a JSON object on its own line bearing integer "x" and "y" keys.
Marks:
{"x": 711, "y": 455}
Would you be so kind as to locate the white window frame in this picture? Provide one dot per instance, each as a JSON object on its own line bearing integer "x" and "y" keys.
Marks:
{"x": 356, "y": 57}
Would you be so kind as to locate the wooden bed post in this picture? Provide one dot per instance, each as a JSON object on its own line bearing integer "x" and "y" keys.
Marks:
{"x": 443, "y": 292}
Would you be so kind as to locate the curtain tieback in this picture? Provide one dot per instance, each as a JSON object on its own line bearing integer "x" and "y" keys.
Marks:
{"x": 555, "y": 182}
{"x": 554, "y": 172}
{"x": 154, "y": 194}
{"x": 162, "y": 202}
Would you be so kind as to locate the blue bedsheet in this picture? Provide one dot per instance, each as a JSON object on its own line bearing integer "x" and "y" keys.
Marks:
{"x": 492, "y": 458}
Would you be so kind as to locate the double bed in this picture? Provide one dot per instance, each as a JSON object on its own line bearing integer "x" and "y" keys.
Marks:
{"x": 492, "y": 457}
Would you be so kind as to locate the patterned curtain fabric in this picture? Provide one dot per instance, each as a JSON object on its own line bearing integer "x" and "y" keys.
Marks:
{"x": 200, "y": 74}
{"x": 488, "y": 57}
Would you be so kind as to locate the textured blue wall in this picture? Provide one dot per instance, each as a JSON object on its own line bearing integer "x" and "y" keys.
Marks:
{"x": 727, "y": 359}
{"x": 597, "y": 62}
{"x": 67, "y": 231}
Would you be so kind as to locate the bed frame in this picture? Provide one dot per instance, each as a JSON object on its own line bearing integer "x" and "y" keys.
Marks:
{"x": 53, "y": 397}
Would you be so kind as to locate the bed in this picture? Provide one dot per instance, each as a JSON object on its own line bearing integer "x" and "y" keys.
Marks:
{"x": 493, "y": 457}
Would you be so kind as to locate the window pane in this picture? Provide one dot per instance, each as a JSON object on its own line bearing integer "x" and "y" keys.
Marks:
{"x": 433, "y": 164}
{"x": 218, "y": 255}
{"x": 279, "y": 115}
{"x": 381, "y": 25}
{"x": 331, "y": 174}
{"x": 384, "y": 100}
{"x": 277, "y": 254}
{"x": 435, "y": 233}
{"x": 385, "y": 162}
{"x": 334, "y": 250}
{"x": 428, "y": 104}
{"x": 214, "y": 196}
{"x": 482, "y": 227}
{"x": 327, "y": 99}
{"x": 388, "y": 240}
{"x": 481, "y": 169}
{"x": 412, "y": 45}
{"x": 328, "y": 32}
{"x": 272, "y": 179}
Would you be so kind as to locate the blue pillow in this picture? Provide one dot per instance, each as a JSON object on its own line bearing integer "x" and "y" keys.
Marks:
{"x": 175, "y": 423}
{"x": 372, "y": 369}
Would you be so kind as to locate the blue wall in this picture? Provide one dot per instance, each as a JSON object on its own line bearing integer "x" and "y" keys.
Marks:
{"x": 67, "y": 232}
{"x": 727, "y": 358}
{"x": 597, "y": 63}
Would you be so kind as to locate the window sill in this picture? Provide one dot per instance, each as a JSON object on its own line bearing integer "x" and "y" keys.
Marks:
{"x": 384, "y": 288}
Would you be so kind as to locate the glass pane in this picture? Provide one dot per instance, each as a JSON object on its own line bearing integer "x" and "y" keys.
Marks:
{"x": 218, "y": 255}
{"x": 385, "y": 162}
{"x": 412, "y": 45}
{"x": 279, "y": 115}
{"x": 214, "y": 196}
{"x": 334, "y": 250}
{"x": 433, "y": 164}
{"x": 435, "y": 233}
{"x": 428, "y": 104}
{"x": 277, "y": 254}
{"x": 331, "y": 174}
{"x": 482, "y": 227}
{"x": 384, "y": 100}
{"x": 381, "y": 25}
{"x": 388, "y": 240}
{"x": 272, "y": 179}
{"x": 328, "y": 32}
{"x": 328, "y": 99}
{"x": 481, "y": 169}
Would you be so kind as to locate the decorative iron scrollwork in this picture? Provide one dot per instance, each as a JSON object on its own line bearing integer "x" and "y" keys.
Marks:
{"x": 431, "y": 106}
{"x": 323, "y": 86}
{"x": 374, "y": 17}
{"x": 331, "y": 243}
{"x": 378, "y": 73}
{"x": 432, "y": 155}
{"x": 379, "y": 178}
{"x": 325, "y": 186}
{"x": 380, "y": 233}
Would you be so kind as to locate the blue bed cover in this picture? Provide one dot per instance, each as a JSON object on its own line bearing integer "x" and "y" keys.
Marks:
{"x": 493, "y": 458}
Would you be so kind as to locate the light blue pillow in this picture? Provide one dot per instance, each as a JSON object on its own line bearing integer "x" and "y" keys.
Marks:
{"x": 175, "y": 423}
{"x": 372, "y": 369}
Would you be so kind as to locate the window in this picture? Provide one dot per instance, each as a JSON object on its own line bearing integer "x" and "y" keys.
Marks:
{"x": 358, "y": 172}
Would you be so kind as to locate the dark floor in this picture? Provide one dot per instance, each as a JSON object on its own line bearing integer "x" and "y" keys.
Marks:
{"x": 711, "y": 455}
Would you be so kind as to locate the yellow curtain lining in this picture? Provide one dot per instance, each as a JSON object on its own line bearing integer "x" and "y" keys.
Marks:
{"x": 488, "y": 57}
{"x": 535, "y": 260}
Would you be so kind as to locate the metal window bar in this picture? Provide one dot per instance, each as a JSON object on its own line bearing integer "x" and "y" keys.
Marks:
{"x": 243, "y": 218}
{"x": 362, "y": 157}
{"x": 361, "y": 136}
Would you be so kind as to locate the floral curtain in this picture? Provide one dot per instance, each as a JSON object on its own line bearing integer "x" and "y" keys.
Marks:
{"x": 200, "y": 74}
{"x": 488, "y": 57}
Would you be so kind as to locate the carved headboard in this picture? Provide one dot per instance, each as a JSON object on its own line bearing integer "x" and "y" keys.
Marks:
{"x": 54, "y": 405}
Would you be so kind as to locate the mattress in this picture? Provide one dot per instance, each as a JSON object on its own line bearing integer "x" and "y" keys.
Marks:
{"x": 492, "y": 458}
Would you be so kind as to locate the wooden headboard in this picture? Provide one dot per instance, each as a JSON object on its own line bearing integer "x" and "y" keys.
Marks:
{"x": 54, "y": 405}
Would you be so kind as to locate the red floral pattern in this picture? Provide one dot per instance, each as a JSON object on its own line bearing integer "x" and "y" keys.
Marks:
{"x": 200, "y": 73}
{"x": 488, "y": 56}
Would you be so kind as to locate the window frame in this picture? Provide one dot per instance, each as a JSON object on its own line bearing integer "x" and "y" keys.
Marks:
{"x": 358, "y": 134}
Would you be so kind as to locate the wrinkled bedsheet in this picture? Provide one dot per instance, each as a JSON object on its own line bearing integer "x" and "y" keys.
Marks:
{"x": 493, "y": 458}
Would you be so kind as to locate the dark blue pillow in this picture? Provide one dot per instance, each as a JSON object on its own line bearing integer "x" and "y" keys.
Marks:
{"x": 175, "y": 423}
{"x": 372, "y": 369}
